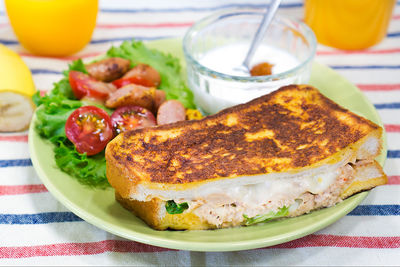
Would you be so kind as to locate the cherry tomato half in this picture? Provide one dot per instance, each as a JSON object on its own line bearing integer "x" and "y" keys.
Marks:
{"x": 83, "y": 85}
{"x": 89, "y": 128}
{"x": 135, "y": 80}
{"x": 131, "y": 117}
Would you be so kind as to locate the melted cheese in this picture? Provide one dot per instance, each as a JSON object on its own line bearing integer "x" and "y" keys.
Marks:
{"x": 270, "y": 189}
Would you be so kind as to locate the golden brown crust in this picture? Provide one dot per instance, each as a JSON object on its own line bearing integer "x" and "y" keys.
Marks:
{"x": 149, "y": 212}
{"x": 361, "y": 182}
{"x": 146, "y": 210}
{"x": 289, "y": 129}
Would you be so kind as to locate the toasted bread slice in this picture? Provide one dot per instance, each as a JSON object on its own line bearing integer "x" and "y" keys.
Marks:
{"x": 291, "y": 130}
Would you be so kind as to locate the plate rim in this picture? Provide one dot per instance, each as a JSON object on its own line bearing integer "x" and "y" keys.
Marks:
{"x": 200, "y": 245}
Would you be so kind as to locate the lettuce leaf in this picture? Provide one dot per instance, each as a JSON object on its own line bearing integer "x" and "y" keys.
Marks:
{"x": 173, "y": 208}
{"x": 90, "y": 170}
{"x": 55, "y": 107}
{"x": 282, "y": 212}
{"x": 51, "y": 115}
{"x": 77, "y": 65}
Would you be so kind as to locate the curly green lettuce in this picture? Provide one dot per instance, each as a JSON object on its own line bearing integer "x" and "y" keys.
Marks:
{"x": 55, "y": 107}
{"x": 282, "y": 212}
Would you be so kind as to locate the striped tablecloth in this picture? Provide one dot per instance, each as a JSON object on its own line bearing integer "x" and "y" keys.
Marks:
{"x": 35, "y": 229}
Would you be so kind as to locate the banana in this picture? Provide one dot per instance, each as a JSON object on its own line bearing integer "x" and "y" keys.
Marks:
{"x": 15, "y": 111}
{"x": 16, "y": 90}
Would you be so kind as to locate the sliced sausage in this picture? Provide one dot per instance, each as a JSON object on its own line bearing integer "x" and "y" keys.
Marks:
{"x": 108, "y": 69}
{"x": 170, "y": 111}
{"x": 160, "y": 97}
{"x": 145, "y": 72}
{"x": 102, "y": 86}
{"x": 132, "y": 94}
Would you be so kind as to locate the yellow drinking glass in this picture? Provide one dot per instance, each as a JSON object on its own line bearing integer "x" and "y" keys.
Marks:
{"x": 53, "y": 27}
{"x": 349, "y": 24}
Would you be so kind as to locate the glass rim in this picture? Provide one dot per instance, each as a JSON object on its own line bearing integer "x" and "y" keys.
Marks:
{"x": 306, "y": 32}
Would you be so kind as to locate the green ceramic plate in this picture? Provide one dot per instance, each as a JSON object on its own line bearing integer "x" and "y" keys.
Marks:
{"x": 99, "y": 208}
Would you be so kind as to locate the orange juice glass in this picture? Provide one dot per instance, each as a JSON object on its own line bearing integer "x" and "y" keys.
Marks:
{"x": 52, "y": 27}
{"x": 349, "y": 24}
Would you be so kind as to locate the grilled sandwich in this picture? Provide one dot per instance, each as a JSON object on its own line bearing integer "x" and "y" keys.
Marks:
{"x": 281, "y": 155}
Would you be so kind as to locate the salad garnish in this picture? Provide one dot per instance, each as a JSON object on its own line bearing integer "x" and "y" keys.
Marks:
{"x": 56, "y": 107}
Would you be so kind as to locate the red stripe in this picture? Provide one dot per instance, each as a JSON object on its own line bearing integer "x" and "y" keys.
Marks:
{"x": 392, "y": 127}
{"x": 92, "y": 248}
{"x": 347, "y": 52}
{"x": 396, "y": 17}
{"x": 394, "y": 179}
{"x": 67, "y": 58}
{"x": 379, "y": 87}
{"x": 144, "y": 25}
{"x": 343, "y": 242}
{"x": 22, "y": 189}
{"x": 73, "y": 249}
{"x": 14, "y": 138}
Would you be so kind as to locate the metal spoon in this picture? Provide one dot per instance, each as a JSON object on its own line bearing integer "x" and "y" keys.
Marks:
{"x": 266, "y": 21}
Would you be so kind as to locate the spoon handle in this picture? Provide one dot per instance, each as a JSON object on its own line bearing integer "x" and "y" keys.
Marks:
{"x": 269, "y": 15}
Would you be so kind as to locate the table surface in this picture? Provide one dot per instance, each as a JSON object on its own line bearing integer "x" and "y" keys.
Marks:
{"x": 369, "y": 237}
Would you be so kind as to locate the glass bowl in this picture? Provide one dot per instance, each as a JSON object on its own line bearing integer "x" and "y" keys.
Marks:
{"x": 218, "y": 43}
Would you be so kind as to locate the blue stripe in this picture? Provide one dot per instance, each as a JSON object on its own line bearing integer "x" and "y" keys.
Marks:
{"x": 100, "y": 41}
{"x": 390, "y": 105}
{"x": 45, "y": 71}
{"x": 393, "y": 154}
{"x": 8, "y": 42}
{"x": 39, "y": 218}
{"x": 393, "y": 34}
{"x": 387, "y": 106}
{"x": 376, "y": 210}
{"x": 194, "y": 9}
{"x": 58, "y": 217}
{"x": 15, "y": 163}
{"x": 345, "y": 67}
{"x": 337, "y": 67}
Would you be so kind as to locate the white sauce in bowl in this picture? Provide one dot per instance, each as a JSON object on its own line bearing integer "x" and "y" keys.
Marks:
{"x": 213, "y": 94}
{"x": 227, "y": 58}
